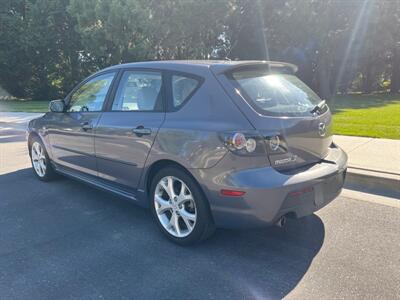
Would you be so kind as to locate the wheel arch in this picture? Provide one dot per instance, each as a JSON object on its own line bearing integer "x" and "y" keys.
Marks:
{"x": 31, "y": 136}
{"x": 163, "y": 163}
{"x": 159, "y": 165}
{"x": 34, "y": 134}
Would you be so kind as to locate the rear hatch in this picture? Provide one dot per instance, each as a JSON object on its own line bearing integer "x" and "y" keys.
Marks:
{"x": 293, "y": 120}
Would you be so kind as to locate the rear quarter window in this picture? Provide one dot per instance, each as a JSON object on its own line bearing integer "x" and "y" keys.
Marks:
{"x": 183, "y": 88}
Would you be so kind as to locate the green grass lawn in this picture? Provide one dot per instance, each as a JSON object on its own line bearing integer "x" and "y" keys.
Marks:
{"x": 375, "y": 115}
{"x": 23, "y": 106}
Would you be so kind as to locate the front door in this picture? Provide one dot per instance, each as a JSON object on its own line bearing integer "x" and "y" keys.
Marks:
{"x": 125, "y": 133}
{"x": 71, "y": 132}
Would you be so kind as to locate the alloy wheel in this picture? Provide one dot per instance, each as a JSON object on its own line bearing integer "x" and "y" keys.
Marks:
{"x": 38, "y": 159}
{"x": 175, "y": 206}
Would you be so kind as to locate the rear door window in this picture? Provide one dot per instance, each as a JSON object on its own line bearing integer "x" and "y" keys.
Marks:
{"x": 182, "y": 89}
{"x": 274, "y": 93}
{"x": 139, "y": 91}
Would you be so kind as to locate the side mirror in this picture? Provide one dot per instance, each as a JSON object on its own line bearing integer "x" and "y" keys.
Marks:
{"x": 57, "y": 106}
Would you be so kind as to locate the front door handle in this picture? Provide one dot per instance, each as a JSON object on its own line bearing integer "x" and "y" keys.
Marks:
{"x": 140, "y": 130}
{"x": 86, "y": 126}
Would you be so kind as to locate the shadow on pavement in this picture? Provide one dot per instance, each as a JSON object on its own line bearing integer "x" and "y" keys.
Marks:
{"x": 269, "y": 262}
{"x": 10, "y": 135}
{"x": 67, "y": 240}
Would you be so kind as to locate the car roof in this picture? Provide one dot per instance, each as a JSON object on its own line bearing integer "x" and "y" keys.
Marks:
{"x": 218, "y": 66}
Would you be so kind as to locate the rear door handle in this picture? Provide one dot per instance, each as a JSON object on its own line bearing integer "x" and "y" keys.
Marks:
{"x": 140, "y": 130}
{"x": 86, "y": 126}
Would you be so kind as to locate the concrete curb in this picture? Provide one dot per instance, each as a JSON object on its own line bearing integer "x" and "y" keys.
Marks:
{"x": 381, "y": 183}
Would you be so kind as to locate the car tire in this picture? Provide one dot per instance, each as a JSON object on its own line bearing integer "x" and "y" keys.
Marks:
{"x": 188, "y": 209}
{"x": 40, "y": 160}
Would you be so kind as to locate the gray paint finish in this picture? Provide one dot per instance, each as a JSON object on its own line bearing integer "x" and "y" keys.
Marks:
{"x": 300, "y": 133}
{"x": 192, "y": 138}
{"x": 71, "y": 144}
{"x": 121, "y": 154}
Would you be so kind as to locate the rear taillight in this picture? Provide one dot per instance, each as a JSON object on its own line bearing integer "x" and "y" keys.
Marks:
{"x": 245, "y": 143}
{"x": 276, "y": 144}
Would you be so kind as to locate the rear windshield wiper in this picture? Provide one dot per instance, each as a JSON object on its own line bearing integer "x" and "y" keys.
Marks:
{"x": 318, "y": 107}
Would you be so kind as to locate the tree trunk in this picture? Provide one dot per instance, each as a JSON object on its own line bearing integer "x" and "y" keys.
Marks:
{"x": 323, "y": 81}
{"x": 395, "y": 80}
{"x": 367, "y": 79}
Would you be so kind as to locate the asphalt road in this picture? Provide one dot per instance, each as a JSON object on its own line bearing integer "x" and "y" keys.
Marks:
{"x": 65, "y": 240}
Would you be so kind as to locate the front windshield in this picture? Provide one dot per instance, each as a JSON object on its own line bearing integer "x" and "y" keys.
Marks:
{"x": 276, "y": 94}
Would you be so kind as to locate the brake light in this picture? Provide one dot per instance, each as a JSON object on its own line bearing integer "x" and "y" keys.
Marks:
{"x": 244, "y": 142}
{"x": 238, "y": 141}
{"x": 276, "y": 144}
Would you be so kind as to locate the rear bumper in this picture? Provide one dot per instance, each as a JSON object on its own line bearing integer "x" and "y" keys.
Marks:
{"x": 271, "y": 194}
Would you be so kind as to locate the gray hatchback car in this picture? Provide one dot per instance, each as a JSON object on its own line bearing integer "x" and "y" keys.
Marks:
{"x": 204, "y": 144}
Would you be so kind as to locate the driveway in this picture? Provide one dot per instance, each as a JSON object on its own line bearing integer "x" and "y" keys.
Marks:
{"x": 64, "y": 240}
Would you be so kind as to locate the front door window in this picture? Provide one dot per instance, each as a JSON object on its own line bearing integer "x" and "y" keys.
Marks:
{"x": 91, "y": 95}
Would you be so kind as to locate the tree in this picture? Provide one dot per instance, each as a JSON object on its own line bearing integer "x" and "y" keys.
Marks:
{"x": 14, "y": 61}
{"x": 46, "y": 46}
{"x": 390, "y": 24}
{"x": 39, "y": 55}
{"x": 124, "y": 31}
{"x": 332, "y": 42}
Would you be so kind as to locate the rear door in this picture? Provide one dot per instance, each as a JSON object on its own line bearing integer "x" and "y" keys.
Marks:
{"x": 280, "y": 107}
{"x": 71, "y": 132}
{"x": 126, "y": 130}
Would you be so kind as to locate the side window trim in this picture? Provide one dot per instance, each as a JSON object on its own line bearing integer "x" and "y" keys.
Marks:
{"x": 170, "y": 96}
{"x": 117, "y": 72}
{"x": 111, "y": 96}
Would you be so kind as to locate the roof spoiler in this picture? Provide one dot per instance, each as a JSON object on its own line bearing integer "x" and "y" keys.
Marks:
{"x": 272, "y": 64}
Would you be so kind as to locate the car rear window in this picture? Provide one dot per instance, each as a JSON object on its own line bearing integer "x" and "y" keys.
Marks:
{"x": 274, "y": 93}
